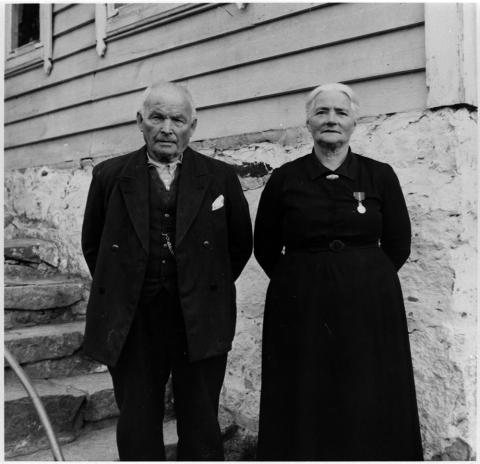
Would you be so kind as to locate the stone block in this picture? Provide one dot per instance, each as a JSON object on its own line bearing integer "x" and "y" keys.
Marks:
{"x": 94, "y": 445}
{"x": 70, "y": 403}
{"x": 69, "y": 366}
{"x": 459, "y": 450}
{"x": 23, "y": 428}
{"x": 101, "y": 405}
{"x": 44, "y": 342}
{"x": 19, "y": 272}
{"x": 13, "y": 319}
{"x": 31, "y": 250}
{"x": 98, "y": 389}
{"x": 42, "y": 294}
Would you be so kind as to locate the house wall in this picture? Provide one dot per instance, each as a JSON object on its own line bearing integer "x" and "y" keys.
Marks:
{"x": 245, "y": 69}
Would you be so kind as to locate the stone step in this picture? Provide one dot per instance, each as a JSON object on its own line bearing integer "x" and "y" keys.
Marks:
{"x": 69, "y": 366}
{"x": 71, "y": 404}
{"x": 19, "y": 271}
{"x": 34, "y": 301}
{"x": 100, "y": 445}
{"x": 40, "y": 343}
{"x": 94, "y": 445}
{"x": 41, "y": 294}
{"x": 31, "y": 250}
{"x": 16, "y": 319}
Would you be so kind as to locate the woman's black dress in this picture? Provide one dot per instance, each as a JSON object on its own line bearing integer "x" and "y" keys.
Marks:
{"x": 337, "y": 379}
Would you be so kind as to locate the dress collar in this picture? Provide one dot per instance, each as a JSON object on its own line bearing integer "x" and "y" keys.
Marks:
{"x": 348, "y": 168}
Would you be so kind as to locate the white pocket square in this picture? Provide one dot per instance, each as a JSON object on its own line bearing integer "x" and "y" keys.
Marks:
{"x": 218, "y": 203}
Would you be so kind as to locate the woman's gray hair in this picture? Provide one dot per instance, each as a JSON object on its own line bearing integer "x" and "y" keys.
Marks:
{"x": 160, "y": 84}
{"x": 348, "y": 91}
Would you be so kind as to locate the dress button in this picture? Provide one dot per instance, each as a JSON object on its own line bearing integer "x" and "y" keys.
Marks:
{"x": 166, "y": 215}
{"x": 206, "y": 244}
{"x": 163, "y": 261}
{"x": 115, "y": 247}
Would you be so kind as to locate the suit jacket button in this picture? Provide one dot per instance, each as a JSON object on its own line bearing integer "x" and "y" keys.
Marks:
{"x": 206, "y": 244}
{"x": 115, "y": 247}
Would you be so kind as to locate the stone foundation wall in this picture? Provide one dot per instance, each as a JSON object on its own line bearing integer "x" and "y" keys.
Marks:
{"x": 434, "y": 154}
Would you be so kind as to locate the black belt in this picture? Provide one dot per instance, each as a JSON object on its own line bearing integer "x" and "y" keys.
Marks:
{"x": 332, "y": 245}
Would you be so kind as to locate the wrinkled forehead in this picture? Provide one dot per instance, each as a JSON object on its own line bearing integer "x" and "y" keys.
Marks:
{"x": 168, "y": 98}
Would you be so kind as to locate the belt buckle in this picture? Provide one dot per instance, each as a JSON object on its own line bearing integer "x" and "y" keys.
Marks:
{"x": 336, "y": 245}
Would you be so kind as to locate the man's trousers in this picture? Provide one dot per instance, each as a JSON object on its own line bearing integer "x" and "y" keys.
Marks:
{"x": 156, "y": 347}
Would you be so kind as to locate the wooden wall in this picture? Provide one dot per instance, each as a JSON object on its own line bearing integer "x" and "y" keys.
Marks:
{"x": 248, "y": 71}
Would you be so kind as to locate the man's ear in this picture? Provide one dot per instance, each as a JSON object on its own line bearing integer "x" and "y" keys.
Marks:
{"x": 139, "y": 120}
{"x": 193, "y": 126}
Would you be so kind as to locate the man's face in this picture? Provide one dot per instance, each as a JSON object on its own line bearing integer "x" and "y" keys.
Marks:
{"x": 166, "y": 123}
{"x": 331, "y": 120}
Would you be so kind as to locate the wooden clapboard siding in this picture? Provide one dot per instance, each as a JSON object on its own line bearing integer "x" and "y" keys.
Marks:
{"x": 61, "y": 6}
{"x": 136, "y": 15}
{"x": 370, "y": 57}
{"x": 248, "y": 71}
{"x": 77, "y": 40}
{"x": 70, "y": 18}
{"x": 111, "y": 141}
{"x": 341, "y": 23}
{"x": 212, "y": 23}
{"x": 377, "y": 96}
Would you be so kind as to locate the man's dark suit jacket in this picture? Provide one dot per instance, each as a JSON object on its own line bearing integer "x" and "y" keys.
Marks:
{"x": 212, "y": 248}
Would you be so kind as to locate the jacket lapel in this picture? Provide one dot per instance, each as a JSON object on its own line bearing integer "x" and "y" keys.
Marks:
{"x": 134, "y": 185}
{"x": 193, "y": 183}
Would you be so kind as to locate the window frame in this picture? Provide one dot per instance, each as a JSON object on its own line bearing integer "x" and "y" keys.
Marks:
{"x": 132, "y": 17}
{"x": 32, "y": 54}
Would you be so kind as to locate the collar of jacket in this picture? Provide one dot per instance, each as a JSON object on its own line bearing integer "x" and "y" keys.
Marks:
{"x": 193, "y": 182}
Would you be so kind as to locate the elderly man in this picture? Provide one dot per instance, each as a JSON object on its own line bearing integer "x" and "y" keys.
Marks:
{"x": 166, "y": 233}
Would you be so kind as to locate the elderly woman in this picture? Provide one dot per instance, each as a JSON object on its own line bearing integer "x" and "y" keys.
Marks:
{"x": 331, "y": 232}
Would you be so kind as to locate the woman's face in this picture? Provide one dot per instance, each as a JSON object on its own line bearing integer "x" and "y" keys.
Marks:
{"x": 331, "y": 120}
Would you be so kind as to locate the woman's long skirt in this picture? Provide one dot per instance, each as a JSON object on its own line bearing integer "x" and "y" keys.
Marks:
{"x": 337, "y": 378}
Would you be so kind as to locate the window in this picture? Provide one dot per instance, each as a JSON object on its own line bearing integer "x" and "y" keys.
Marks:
{"x": 25, "y": 24}
{"x": 28, "y": 40}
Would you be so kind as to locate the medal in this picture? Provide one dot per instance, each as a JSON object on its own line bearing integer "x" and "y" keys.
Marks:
{"x": 360, "y": 196}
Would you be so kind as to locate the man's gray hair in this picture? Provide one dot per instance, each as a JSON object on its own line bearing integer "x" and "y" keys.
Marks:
{"x": 348, "y": 91}
{"x": 160, "y": 84}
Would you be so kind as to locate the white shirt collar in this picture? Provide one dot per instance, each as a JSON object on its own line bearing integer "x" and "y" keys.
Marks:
{"x": 159, "y": 164}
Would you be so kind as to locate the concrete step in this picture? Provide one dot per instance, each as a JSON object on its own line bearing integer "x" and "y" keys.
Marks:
{"x": 100, "y": 445}
{"x": 41, "y": 294}
{"x": 71, "y": 403}
{"x": 31, "y": 250}
{"x": 44, "y": 342}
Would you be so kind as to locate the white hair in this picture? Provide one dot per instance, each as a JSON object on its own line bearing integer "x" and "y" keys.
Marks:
{"x": 165, "y": 84}
{"x": 345, "y": 89}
